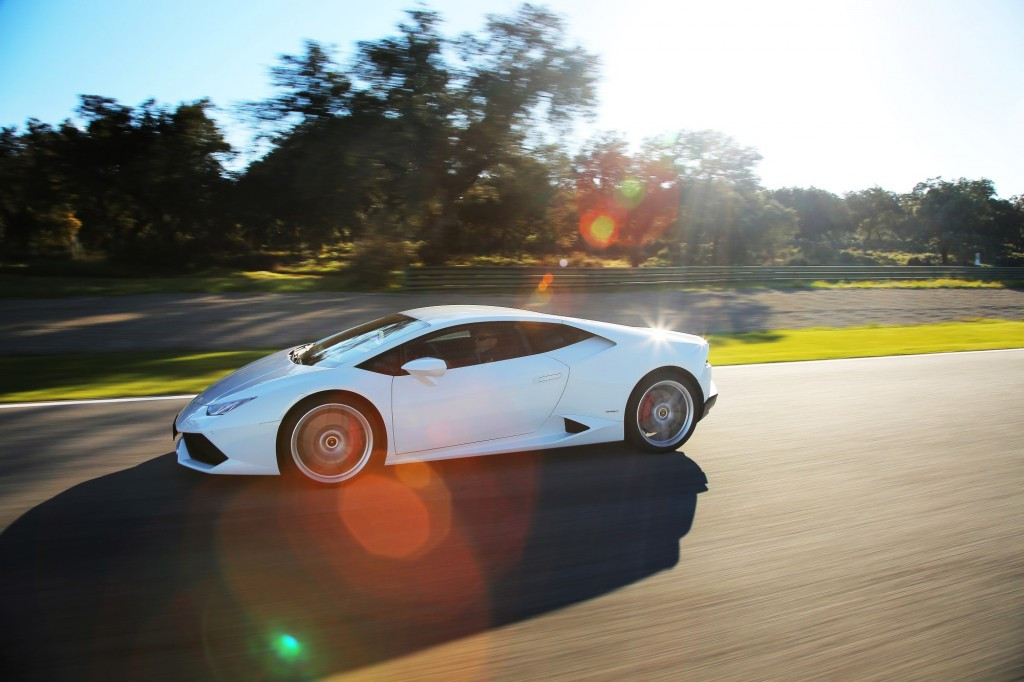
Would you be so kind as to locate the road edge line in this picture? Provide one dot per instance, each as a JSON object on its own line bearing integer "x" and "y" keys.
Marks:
{"x": 96, "y": 401}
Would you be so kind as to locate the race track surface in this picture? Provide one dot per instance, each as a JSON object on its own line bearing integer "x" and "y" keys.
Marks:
{"x": 860, "y": 520}
{"x": 243, "y": 321}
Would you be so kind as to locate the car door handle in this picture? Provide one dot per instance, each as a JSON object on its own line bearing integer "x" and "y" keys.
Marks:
{"x": 547, "y": 377}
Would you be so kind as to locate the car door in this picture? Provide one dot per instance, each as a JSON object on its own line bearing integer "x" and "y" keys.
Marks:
{"x": 474, "y": 400}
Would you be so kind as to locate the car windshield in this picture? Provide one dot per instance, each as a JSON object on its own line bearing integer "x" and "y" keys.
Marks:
{"x": 357, "y": 342}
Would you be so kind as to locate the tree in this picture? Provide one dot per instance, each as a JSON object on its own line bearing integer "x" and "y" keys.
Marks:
{"x": 956, "y": 218}
{"x": 821, "y": 215}
{"x": 423, "y": 125}
{"x": 704, "y": 155}
{"x": 627, "y": 204}
{"x": 1010, "y": 216}
{"x": 37, "y": 201}
{"x": 310, "y": 89}
{"x": 506, "y": 209}
{"x": 876, "y": 214}
{"x": 720, "y": 214}
{"x": 148, "y": 181}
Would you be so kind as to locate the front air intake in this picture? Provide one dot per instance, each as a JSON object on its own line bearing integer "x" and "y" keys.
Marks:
{"x": 202, "y": 450}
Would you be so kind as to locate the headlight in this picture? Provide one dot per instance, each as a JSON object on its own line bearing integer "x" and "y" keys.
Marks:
{"x": 217, "y": 409}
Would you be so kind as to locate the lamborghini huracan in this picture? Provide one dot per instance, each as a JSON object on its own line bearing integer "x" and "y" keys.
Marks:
{"x": 443, "y": 382}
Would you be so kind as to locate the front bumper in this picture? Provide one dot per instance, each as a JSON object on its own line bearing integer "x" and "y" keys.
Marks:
{"x": 227, "y": 466}
{"x": 241, "y": 448}
{"x": 710, "y": 402}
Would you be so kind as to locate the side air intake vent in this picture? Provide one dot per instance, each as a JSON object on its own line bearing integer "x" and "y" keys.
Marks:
{"x": 573, "y": 426}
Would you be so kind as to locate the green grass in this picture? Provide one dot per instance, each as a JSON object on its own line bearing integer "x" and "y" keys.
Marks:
{"x": 856, "y": 342}
{"x": 115, "y": 375}
{"x": 940, "y": 283}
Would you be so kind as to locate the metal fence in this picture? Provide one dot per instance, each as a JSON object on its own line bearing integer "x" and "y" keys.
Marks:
{"x": 472, "y": 277}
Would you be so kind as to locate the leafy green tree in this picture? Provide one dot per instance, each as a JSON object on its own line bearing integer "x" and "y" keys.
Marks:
{"x": 1011, "y": 216}
{"x": 148, "y": 182}
{"x": 705, "y": 155}
{"x": 721, "y": 223}
{"x": 877, "y": 215}
{"x": 310, "y": 88}
{"x": 635, "y": 197}
{"x": 506, "y": 209}
{"x": 37, "y": 202}
{"x": 821, "y": 215}
{"x": 957, "y": 218}
{"x": 423, "y": 125}
{"x": 721, "y": 216}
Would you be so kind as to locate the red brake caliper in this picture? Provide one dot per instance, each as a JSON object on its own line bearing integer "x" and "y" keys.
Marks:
{"x": 354, "y": 436}
{"x": 645, "y": 407}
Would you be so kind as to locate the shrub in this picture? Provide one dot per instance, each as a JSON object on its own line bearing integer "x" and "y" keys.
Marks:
{"x": 377, "y": 261}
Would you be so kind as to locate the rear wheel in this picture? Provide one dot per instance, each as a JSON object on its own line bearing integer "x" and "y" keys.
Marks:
{"x": 661, "y": 412}
{"x": 331, "y": 440}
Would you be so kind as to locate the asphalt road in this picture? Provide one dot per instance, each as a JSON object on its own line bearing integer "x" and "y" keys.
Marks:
{"x": 243, "y": 321}
{"x": 862, "y": 520}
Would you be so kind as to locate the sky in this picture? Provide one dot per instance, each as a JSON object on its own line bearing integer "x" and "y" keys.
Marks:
{"x": 834, "y": 94}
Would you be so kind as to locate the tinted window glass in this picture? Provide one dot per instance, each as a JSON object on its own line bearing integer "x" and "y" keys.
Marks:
{"x": 471, "y": 344}
{"x": 358, "y": 341}
{"x": 388, "y": 362}
{"x": 549, "y": 336}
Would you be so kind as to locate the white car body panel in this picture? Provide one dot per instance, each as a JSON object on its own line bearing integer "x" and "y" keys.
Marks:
{"x": 513, "y": 405}
{"x": 471, "y": 404}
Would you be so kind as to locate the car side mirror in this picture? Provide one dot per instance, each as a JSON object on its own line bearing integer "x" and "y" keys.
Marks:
{"x": 426, "y": 367}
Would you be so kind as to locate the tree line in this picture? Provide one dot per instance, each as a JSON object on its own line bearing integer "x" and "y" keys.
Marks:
{"x": 424, "y": 148}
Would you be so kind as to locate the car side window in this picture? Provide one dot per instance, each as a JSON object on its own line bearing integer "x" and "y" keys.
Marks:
{"x": 548, "y": 336}
{"x": 479, "y": 343}
{"x": 454, "y": 346}
{"x": 471, "y": 344}
{"x": 389, "y": 362}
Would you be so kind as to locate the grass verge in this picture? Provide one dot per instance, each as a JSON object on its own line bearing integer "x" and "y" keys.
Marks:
{"x": 788, "y": 345}
{"x": 115, "y": 375}
{"x": 941, "y": 283}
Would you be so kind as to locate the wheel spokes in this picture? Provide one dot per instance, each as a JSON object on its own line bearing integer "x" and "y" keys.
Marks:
{"x": 665, "y": 413}
{"x": 332, "y": 442}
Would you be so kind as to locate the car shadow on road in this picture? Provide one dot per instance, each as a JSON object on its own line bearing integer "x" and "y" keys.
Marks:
{"x": 160, "y": 572}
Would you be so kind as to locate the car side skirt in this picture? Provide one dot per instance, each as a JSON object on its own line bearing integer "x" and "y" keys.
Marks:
{"x": 552, "y": 435}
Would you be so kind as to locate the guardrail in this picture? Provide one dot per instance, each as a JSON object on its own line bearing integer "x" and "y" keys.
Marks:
{"x": 474, "y": 277}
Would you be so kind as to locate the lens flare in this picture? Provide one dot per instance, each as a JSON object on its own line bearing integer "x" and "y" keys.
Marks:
{"x": 545, "y": 282}
{"x": 630, "y": 193}
{"x": 398, "y": 528}
{"x": 603, "y": 228}
{"x": 287, "y": 647}
{"x": 414, "y": 474}
{"x": 599, "y": 228}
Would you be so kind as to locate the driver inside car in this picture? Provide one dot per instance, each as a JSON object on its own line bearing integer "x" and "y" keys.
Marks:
{"x": 486, "y": 342}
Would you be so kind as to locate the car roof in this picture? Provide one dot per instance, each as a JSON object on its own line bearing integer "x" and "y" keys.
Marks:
{"x": 453, "y": 314}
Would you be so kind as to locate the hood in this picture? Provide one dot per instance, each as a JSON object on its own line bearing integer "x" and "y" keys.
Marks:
{"x": 266, "y": 369}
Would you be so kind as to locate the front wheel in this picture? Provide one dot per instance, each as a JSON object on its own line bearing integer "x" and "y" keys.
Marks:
{"x": 332, "y": 440}
{"x": 661, "y": 412}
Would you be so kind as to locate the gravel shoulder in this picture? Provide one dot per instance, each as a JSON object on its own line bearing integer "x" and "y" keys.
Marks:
{"x": 243, "y": 321}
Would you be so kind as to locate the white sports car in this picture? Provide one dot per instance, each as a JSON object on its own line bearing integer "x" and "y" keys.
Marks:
{"x": 443, "y": 382}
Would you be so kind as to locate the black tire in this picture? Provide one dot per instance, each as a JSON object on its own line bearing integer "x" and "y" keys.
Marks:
{"x": 330, "y": 439}
{"x": 662, "y": 411}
